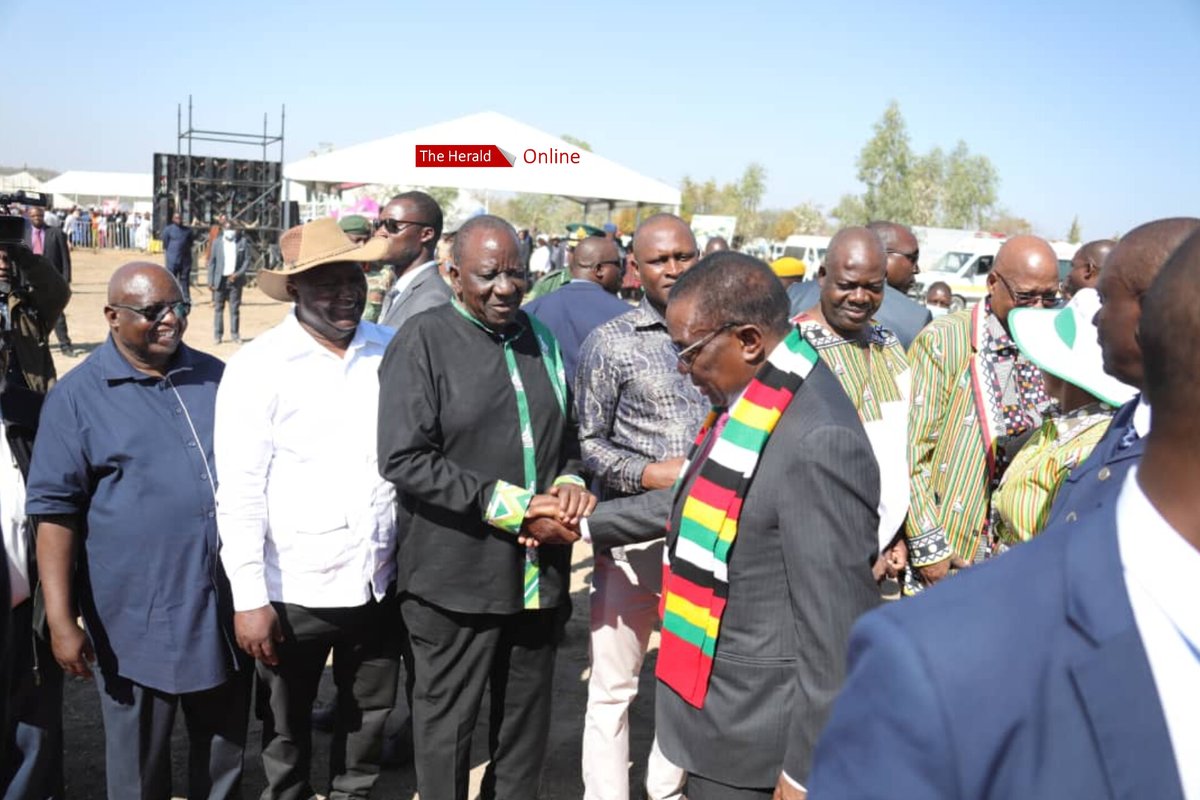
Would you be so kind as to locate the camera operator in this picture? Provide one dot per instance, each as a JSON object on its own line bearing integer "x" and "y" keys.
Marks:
{"x": 33, "y": 294}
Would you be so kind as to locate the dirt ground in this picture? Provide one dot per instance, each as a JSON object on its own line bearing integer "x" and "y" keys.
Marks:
{"x": 84, "y": 734}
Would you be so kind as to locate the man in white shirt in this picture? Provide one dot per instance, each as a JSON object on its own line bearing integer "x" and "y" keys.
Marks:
{"x": 411, "y": 225}
{"x": 307, "y": 526}
{"x": 228, "y": 263}
{"x": 1070, "y": 667}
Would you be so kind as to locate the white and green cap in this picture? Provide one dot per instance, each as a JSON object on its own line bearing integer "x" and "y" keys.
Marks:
{"x": 1063, "y": 342}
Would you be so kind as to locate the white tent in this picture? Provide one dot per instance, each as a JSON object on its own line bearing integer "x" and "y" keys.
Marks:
{"x": 588, "y": 179}
{"x": 120, "y": 185}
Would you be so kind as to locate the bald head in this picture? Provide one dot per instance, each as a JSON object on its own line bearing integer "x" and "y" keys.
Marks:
{"x": 715, "y": 245}
{"x": 1168, "y": 331}
{"x": 853, "y": 276}
{"x": 664, "y": 221}
{"x": 664, "y": 248}
{"x": 139, "y": 278}
{"x": 1128, "y": 272}
{"x": 598, "y": 260}
{"x": 903, "y": 251}
{"x": 1085, "y": 266}
{"x": 1025, "y": 273}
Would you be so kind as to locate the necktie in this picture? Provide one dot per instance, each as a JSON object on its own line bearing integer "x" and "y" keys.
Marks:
{"x": 38, "y": 244}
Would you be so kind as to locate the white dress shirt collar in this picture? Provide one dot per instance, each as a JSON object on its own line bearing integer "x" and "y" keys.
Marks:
{"x": 1160, "y": 570}
{"x": 407, "y": 279}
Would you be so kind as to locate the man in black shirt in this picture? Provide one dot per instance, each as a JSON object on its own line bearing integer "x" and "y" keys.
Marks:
{"x": 477, "y": 432}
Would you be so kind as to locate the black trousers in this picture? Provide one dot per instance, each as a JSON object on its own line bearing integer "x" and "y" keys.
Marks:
{"x": 60, "y": 330}
{"x": 137, "y": 737}
{"x": 183, "y": 274}
{"x": 365, "y": 641}
{"x": 232, "y": 293}
{"x": 699, "y": 788}
{"x": 455, "y": 656}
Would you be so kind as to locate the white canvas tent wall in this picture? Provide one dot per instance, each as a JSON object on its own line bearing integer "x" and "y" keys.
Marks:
{"x": 91, "y": 188}
{"x": 20, "y": 180}
{"x": 595, "y": 182}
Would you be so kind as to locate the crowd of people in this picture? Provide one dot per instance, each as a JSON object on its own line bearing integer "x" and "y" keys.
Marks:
{"x": 395, "y": 474}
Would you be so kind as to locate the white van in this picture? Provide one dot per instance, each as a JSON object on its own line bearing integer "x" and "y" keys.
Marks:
{"x": 1065, "y": 252}
{"x": 809, "y": 249}
{"x": 965, "y": 267}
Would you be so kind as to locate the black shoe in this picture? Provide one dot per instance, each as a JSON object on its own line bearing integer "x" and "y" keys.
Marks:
{"x": 68, "y": 350}
{"x": 322, "y": 716}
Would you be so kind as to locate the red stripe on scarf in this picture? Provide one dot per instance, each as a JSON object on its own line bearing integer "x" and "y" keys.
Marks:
{"x": 683, "y": 667}
{"x": 711, "y": 494}
{"x": 762, "y": 395}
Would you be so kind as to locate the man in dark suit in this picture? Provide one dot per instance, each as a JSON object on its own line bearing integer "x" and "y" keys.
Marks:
{"x": 49, "y": 242}
{"x": 587, "y": 302}
{"x": 228, "y": 263}
{"x": 177, "y": 244}
{"x": 798, "y": 571}
{"x": 1129, "y": 270}
{"x": 1069, "y": 667}
{"x": 898, "y": 313}
{"x": 412, "y": 224}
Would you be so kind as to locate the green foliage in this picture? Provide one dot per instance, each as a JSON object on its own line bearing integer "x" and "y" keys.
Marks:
{"x": 580, "y": 143}
{"x": 1075, "y": 235}
{"x": 1001, "y": 221}
{"x": 955, "y": 190}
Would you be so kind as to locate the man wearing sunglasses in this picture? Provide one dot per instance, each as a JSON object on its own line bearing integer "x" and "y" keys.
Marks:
{"x": 411, "y": 223}
{"x": 975, "y": 400}
{"x": 123, "y": 485}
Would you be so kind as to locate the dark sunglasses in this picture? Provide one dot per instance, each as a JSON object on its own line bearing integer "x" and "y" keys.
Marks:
{"x": 914, "y": 256}
{"x": 1022, "y": 299}
{"x": 394, "y": 226}
{"x": 157, "y": 312}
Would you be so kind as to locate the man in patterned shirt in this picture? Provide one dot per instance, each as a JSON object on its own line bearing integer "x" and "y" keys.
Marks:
{"x": 975, "y": 401}
{"x": 637, "y": 418}
{"x": 867, "y": 359}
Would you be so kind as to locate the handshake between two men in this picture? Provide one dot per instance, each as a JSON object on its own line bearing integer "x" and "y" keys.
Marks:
{"x": 554, "y": 517}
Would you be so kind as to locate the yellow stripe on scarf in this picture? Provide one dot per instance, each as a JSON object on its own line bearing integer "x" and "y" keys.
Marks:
{"x": 694, "y": 614}
{"x": 703, "y": 514}
{"x": 755, "y": 416}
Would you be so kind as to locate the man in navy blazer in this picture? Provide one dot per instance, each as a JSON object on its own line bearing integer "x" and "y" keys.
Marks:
{"x": 1069, "y": 667}
{"x": 1125, "y": 277}
{"x": 587, "y": 302}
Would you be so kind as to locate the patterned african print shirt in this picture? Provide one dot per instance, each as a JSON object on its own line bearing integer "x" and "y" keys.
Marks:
{"x": 635, "y": 408}
{"x": 1022, "y": 504}
{"x": 876, "y": 378}
{"x": 379, "y": 280}
{"x": 975, "y": 400}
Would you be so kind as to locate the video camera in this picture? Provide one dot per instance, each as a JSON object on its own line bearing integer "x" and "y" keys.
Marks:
{"x": 12, "y": 246}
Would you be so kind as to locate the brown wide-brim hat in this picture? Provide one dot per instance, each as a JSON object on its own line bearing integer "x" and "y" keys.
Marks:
{"x": 313, "y": 245}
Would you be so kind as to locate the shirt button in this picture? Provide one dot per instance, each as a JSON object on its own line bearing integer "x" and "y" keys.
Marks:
{"x": 192, "y": 443}
{"x": 1071, "y": 517}
{"x": 178, "y": 410}
{"x": 1104, "y": 474}
{"x": 212, "y": 514}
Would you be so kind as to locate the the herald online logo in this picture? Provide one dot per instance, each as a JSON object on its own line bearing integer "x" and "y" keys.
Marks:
{"x": 487, "y": 155}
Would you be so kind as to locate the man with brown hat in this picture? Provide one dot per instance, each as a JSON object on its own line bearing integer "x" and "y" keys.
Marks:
{"x": 307, "y": 526}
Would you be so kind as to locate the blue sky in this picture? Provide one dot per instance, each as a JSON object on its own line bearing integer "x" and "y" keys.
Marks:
{"x": 1085, "y": 107}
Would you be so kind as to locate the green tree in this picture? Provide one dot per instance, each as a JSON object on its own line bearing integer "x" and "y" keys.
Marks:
{"x": 925, "y": 187}
{"x": 445, "y": 196}
{"x": 810, "y": 219}
{"x": 968, "y": 189}
{"x": 1075, "y": 235}
{"x": 1001, "y": 221}
{"x": 580, "y": 143}
{"x": 849, "y": 211}
{"x": 884, "y": 166}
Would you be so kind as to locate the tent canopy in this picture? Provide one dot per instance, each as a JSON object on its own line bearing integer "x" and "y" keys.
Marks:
{"x": 392, "y": 160}
{"x": 125, "y": 185}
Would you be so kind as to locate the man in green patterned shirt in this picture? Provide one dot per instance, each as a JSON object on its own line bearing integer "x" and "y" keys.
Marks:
{"x": 868, "y": 361}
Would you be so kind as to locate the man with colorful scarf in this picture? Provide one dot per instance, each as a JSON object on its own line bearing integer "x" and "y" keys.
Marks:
{"x": 975, "y": 401}
{"x": 477, "y": 432}
{"x": 771, "y": 533}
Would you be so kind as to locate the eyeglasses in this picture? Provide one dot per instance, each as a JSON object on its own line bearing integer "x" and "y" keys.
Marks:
{"x": 394, "y": 226}
{"x": 157, "y": 312}
{"x": 914, "y": 256}
{"x": 1022, "y": 299}
{"x": 688, "y": 355}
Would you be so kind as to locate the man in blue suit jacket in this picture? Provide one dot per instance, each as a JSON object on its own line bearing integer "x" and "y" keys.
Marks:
{"x": 587, "y": 302}
{"x": 1125, "y": 277}
{"x": 1068, "y": 668}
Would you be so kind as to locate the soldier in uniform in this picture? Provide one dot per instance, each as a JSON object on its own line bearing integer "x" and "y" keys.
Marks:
{"x": 380, "y": 277}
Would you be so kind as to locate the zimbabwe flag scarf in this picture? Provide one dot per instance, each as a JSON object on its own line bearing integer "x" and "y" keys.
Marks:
{"x": 695, "y": 575}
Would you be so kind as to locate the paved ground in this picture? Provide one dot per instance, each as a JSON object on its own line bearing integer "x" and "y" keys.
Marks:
{"x": 84, "y": 737}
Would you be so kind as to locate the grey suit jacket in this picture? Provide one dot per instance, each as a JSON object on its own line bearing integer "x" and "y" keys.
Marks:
{"x": 426, "y": 291}
{"x": 799, "y": 575}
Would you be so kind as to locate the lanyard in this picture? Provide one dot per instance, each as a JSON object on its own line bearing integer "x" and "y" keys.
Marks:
{"x": 557, "y": 376}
